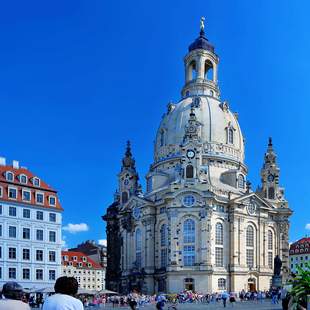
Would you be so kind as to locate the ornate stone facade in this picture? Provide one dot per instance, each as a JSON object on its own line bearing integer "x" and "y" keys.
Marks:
{"x": 199, "y": 225}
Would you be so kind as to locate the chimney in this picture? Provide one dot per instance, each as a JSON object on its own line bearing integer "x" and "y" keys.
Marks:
{"x": 2, "y": 161}
{"x": 15, "y": 164}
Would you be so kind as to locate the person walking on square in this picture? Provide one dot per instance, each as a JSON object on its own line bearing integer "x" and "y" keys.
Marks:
{"x": 12, "y": 293}
{"x": 224, "y": 298}
{"x": 65, "y": 288}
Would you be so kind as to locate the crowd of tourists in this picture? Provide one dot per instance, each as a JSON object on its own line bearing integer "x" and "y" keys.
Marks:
{"x": 66, "y": 288}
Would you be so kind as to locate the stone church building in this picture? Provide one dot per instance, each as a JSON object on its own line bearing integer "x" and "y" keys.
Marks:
{"x": 199, "y": 225}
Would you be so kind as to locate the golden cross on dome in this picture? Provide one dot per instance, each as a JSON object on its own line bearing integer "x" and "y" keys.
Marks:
{"x": 202, "y": 23}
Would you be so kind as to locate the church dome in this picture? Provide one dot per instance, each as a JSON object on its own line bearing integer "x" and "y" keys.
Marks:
{"x": 219, "y": 130}
{"x": 201, "y": 43}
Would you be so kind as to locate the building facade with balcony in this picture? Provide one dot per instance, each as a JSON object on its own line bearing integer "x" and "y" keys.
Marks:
{"x": 89, "y": 274}
{"x": 199, "y": 225}
{"x": 30, "y": 228}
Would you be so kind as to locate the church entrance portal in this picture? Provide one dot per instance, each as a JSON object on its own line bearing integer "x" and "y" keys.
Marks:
{"x": 189, "y": 284}
{"x": 251, "y": 284}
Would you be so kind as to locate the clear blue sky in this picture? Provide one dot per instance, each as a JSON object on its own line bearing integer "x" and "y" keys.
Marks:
{"x": 79, "y": 78}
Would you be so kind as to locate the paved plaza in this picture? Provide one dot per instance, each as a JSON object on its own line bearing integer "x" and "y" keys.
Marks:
{"x": 266, "y": 305}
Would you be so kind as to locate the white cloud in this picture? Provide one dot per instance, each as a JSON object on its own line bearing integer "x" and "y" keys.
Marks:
{"x": 308, "y": 226}
{"x": 102, "y": 242}
{"x": 76, "y": 228}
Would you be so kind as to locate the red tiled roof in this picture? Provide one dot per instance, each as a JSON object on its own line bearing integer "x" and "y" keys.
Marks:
{"x": 79, "y": 259}
{"x": 48, "y": 191}
{"x": 301, "y": 246}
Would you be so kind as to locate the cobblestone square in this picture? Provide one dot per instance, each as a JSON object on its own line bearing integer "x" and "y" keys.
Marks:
{"x": 266, "y": 305}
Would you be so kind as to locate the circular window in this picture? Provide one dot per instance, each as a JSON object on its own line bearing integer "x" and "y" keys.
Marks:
{"x": 251, "y": 208}
{"x": 189, "y": 200}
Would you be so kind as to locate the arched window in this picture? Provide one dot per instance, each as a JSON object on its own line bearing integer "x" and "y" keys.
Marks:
{"x": 124, "y": 197}
{"x": 250, "y": 236}
{"x": 163, "y": 245}
{"x": 9, "y": 176}
{"x": 221, "y": 283}
{"x": 219, "y": 240}
{"x": 209, "y": 74}
{"x": 163, "y": 235}
{"x": 162, "y": 138}
{"x": 189, "y": 171}
{"x": 241, "y": 181}
{"x": 193, "y": 70}
{"x": 271, "y": 193}
{"x": 138, "y": 247}
{"x": 250, "y": 246}
{"x": 189, "y": 231}
{"x": 23, "y": 179}
{"x": 219, "y": 234}
{"x": 230, "y": 136}
{"x": 189, "y": 242}
{"x": 270, "y": 249}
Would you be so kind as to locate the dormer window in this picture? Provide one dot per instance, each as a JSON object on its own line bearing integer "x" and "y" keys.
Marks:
{"x": 23, "y": 179}
{"x": 36, "y": 181}
{"x": 84, "y": 259}
{"x": 230, "y": 134}
{"x": 9, "y": 176}
{"x": 52, "y": 201}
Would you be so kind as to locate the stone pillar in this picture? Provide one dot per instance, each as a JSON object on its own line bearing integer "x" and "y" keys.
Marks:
{"x": 200, "y": 68}
{"x": 188, "y": 73}
{"x": 205, "y": 238}
{"x": 175, "y": 234}
{"x": 150, "y": 241}
{"x": 215, "y": 73}
{"x": 284, "y": 247}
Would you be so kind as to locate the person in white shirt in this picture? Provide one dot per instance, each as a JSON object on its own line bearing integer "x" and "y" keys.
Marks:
{"x": 12, "y": 293}
{"x": 65, "y": 289}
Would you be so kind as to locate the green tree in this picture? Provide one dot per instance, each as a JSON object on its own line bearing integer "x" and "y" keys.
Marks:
{"x": 301, "y": 287}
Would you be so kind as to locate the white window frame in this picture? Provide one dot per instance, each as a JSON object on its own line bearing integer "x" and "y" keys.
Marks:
{"x": 1, "y": 191}
{"x": 12, "y": 187}
{"x": 49, "y": 200}
{"x": 74, "y": 258}
{"x": 20, "y": 178}
{"x": 36, "y": 179}
{"x": 28, "y": 191}
{"x": 39, "y": 203}
{"x": 6, "y": 176}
